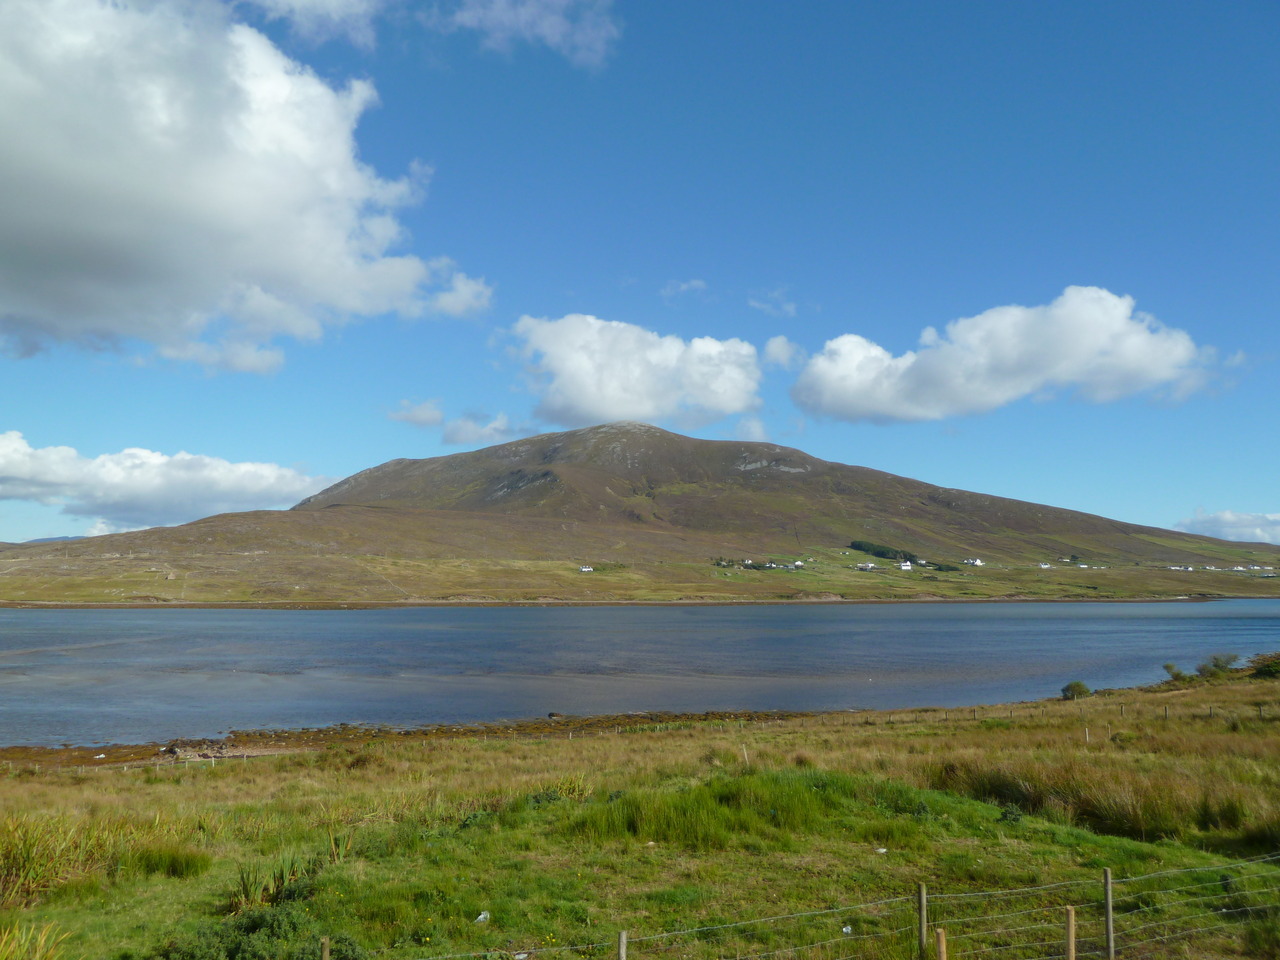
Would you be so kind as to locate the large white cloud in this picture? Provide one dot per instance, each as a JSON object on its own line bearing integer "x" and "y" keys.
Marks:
{"x": 592, "y": 370}
{"x": 141, "y": 488}
{"x": 1229, "y": 525}
{"x": 1088, "y": 340}
{"x": 171, "y": 176}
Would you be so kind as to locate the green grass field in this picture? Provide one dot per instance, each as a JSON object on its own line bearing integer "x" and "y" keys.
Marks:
{"x": 693, "y": 834}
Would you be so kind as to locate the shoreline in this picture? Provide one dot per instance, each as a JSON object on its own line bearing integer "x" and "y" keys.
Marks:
{"x": 242, "y": 744}
{"x": 698, "y": 602}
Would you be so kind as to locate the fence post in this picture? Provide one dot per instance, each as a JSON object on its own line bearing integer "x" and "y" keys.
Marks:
{"x": 324, "y": 948}
{"x": 1166, "y": 712}
{"x": 1109, "y": 905}
{"x": 940, "y": 935}
{"x": 1071, "y": 933}
{"x": 922, "y": 918}
{"x": 622, "y": 945}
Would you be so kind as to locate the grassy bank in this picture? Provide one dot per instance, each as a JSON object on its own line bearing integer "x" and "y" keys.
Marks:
{"x": 395, "y": 844}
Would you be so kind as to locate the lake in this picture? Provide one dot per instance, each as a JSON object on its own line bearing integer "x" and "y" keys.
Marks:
{"x": 137, "y": 676}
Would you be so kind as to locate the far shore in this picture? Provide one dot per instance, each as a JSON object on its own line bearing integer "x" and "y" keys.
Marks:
{"x": 557, "y": 602}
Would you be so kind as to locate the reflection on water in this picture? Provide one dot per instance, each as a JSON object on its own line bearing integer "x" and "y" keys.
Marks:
{"x": 89, "y": 676}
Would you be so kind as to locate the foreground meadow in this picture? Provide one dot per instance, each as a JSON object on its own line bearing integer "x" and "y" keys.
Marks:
{"x": 711, "y": 836}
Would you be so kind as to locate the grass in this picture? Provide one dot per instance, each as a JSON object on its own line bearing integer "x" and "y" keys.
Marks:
{"x": 395, "y": 844}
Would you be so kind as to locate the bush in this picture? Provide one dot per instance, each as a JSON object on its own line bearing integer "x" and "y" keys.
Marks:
{"x": 1075, "y": 690}
{"x": 264, "y": 933}
{"x": 1265, "y": 666}
{"x": 1217, "y": 665}
{"x": 1176, "y": 675}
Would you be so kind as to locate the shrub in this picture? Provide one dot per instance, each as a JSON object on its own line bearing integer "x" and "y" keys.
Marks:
{"x": 1075, "y": 690}
{"x": 1176, "y": 675}
{"x": 278, "y": 933}
{"x": 1265, "y": 666}
{"x": 1217, "y": 665}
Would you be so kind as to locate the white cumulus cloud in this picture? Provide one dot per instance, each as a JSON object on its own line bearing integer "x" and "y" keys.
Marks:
{"x": 591, "y": 370}
{"x": 781, "y": 352}
{"x": 582, "y": 31}
{"x": 141, "y": 488}
{"x": 179, "y": 181}
{"x": 1088, "y": 340}
{"x": 1229, "y": 525}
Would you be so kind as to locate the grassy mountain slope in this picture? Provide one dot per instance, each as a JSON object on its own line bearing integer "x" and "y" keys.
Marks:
{"x": 647, "y": 509}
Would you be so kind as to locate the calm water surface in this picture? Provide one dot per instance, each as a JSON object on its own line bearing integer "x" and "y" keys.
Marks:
{"x": 101, "y": 676}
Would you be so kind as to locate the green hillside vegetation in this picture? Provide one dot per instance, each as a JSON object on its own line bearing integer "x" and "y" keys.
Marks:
{"x": 648, "y": 511}
{"x": 562, "y": 833}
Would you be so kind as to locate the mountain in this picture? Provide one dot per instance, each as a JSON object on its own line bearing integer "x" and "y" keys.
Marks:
{"x": 649, "y": 511}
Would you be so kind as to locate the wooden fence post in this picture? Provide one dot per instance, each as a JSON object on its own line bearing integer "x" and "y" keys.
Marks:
{"x": 922, "y": 920}
{"x": 1071, "y": 933}
{"x": 622, "y": 945}
{"x": 1109, "y": 904}
{"x": 324, "y": 948}
{"x": 940, "y": 935}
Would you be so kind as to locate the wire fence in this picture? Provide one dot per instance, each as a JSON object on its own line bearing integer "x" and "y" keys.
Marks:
{"x": 1102, "y": 917}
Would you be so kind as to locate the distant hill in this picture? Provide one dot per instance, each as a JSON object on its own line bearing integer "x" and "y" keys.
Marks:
{"x": 649, "y": 512}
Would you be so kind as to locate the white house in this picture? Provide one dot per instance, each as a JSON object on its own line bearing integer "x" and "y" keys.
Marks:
{"x": 585, "y": 569}
{"x": 974, "y": 562}
{"x": 905, "y": 565}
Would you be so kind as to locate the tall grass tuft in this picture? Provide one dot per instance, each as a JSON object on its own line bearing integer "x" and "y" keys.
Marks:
{"x": 749, "y": 806}
{"x": 169, "y": 860}
{"x": 40, "y": 853}
{"x": 30, "y": 943}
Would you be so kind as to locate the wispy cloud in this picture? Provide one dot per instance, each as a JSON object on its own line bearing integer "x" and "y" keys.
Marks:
{"x": 774, "y": 302}
{"x": 676, "y": 288}
{"x": 475, "y": 431}
{"x": 1088, "y": 340}
{"x": 425, "y": 414}
{"x": 1229, "y": 525}
{"x": 582, "y": 31}
{"x": 590, "y": 370}
{"x": 325, "y": 19}
{"x": 142, "y": 488}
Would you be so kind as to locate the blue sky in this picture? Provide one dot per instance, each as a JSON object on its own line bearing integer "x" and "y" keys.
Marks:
{"x": 1026, "y": 249}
